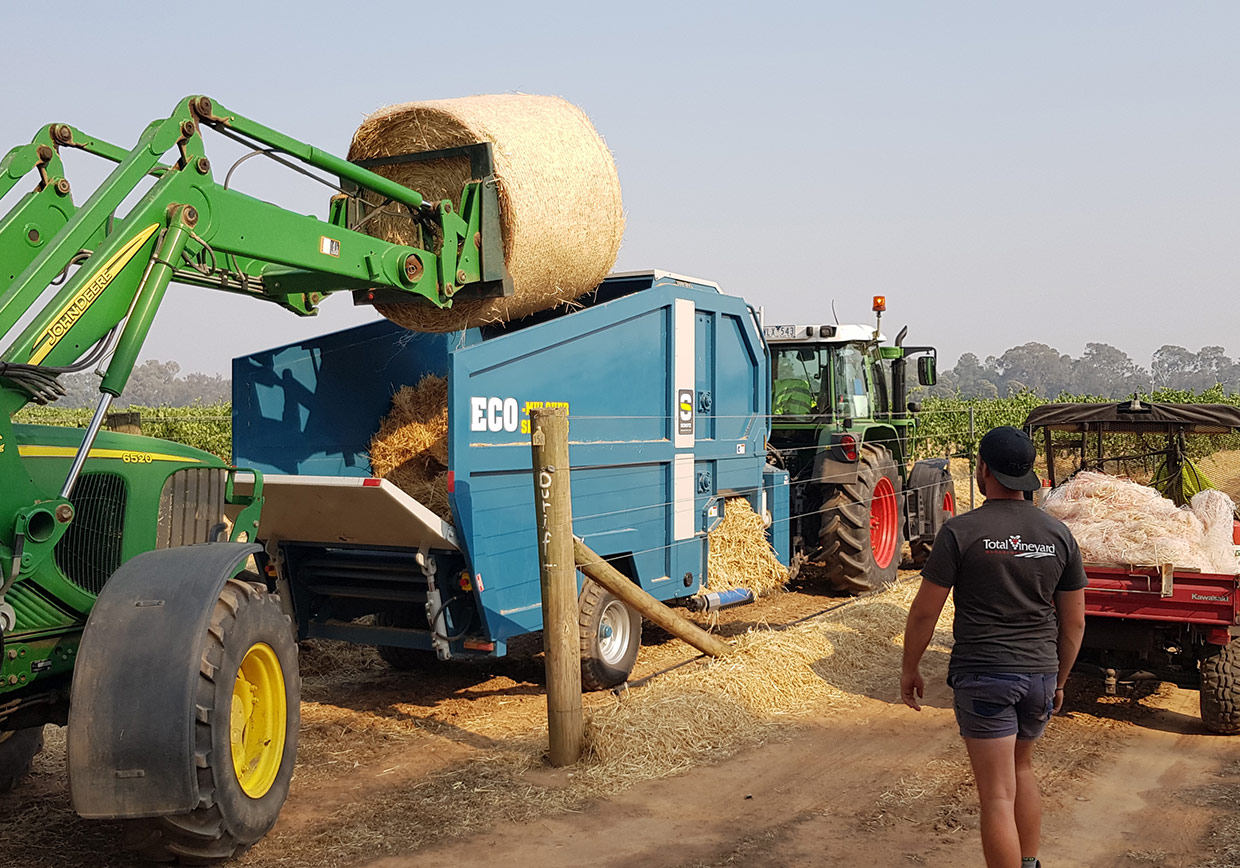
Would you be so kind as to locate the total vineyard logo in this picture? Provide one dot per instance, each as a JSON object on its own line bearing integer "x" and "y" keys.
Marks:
{"x": 1022, "y": 549}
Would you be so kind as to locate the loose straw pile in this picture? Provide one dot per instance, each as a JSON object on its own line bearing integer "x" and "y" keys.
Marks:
{"x": 559, "y": 196}
{"x": 682, "y": 717}
{"x": 411, "y": 446}
{"x": 1119, "y": 521}
{"x": 713, "y": 709}
{"x": 740, "y": 556}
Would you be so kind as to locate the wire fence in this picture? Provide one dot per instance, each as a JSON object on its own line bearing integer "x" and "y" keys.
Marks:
{"x": 947, "y": 428}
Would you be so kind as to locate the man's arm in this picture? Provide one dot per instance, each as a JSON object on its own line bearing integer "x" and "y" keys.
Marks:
{"x": 1070, "y": 606}
{"x": 923, "y": 615}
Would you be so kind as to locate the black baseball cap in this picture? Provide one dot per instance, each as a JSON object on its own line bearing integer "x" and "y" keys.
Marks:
{"x": 1009, "y": 454}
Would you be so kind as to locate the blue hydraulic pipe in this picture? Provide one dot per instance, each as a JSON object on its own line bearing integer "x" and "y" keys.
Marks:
{"x": 721, "y": 600}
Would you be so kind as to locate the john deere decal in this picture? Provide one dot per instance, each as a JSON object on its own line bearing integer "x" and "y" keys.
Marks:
{"x": 85, "y": 297}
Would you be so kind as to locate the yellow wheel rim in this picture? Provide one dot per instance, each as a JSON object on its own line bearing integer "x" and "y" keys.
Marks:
{"x": 258, "y": 720}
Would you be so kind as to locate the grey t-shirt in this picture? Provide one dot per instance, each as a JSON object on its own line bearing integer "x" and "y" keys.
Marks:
{"x": 1004, "y": 563}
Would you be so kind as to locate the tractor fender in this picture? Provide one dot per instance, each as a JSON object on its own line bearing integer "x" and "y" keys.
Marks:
{"x": 831, "y": 467}
{"x": 828, "y": 470}
{"x": 926, "y": 482}
{"x": 132, "y": 709}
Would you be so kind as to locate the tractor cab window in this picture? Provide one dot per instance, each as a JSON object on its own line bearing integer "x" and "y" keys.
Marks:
{"x": 798, "y": 381}
{"x": 850, "y": 397}
{"x": 880, "y": 376}
{"x": 829, "y": 379}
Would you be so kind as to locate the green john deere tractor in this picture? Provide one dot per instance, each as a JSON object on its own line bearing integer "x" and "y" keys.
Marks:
{"x": 125, "y": 608}
{"x": 843, "y": 428}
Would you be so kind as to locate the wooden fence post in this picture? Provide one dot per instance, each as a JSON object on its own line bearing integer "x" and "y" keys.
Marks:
{"x": 558, "y": 573}
{"x": 125, "y": 423}
{"x": 651, "y": 609}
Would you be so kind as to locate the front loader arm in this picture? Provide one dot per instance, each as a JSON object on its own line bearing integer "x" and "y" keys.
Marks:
{"x": 255, "y": 247}
{"x": 186, "y": 228}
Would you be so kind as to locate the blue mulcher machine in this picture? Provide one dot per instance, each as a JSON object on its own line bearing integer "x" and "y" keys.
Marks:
{"x": 667, "y": 384}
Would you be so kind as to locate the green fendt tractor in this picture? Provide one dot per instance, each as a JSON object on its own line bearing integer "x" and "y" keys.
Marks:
{"x": 843, "y": 428}
{"x": 122, "y": 610}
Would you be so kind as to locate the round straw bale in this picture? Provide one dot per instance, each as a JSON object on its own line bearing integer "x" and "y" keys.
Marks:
{"x": 559, "y": 196}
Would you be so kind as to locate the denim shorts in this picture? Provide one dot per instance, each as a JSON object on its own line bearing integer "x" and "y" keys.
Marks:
{"x": 999, "y": 704}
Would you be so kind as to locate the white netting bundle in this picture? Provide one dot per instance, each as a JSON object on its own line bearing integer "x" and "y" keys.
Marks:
{"x": 1119, "y": 521}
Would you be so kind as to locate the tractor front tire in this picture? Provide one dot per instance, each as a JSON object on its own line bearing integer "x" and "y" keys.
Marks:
{"x": 862, "y": 525}
{"x": 945, "y": 507}
{"x": 611, "y": 636}
{"x": 248, "y": 712}
{"x": 18, "y": 749}
{"x": 1220, "y": 688}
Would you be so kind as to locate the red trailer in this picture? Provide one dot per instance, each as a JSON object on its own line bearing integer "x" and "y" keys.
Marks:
{"x": 1143, "y": 618}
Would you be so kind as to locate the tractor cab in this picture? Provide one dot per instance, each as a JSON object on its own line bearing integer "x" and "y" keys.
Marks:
{"x": 828, "y": 371}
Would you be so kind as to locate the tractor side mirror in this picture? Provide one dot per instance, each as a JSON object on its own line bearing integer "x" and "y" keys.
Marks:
{"x": 927, "y": 373}
{"x": 914, "y": 406}
{"x": 805, "y": 354}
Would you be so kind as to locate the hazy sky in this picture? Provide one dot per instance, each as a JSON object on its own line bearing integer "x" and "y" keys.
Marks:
{"x": 1054, "y": 172}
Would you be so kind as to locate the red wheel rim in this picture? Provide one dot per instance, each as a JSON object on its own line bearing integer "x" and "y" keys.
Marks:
{"x": 884, "y": 527}
{"x": 949, "y": 503}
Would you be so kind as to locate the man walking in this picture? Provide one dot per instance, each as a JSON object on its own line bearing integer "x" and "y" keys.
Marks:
{"x": 1019, "y": 584}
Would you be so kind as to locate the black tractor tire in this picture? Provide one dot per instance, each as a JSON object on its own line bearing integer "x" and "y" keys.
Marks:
{"x": 1220, "y": 688}
{"x": 845, "y": 534}
{"x": 611, "y": 636}
{"x": 403, "y": 659}
{"x": 18, "y": 749}
{"x": 228, "y": 820}
{"x": 919, "y": 549}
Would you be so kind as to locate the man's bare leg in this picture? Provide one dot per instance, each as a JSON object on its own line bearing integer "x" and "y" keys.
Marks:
{"x": 994, "y": 768}
{"x": 1028, "y": 800}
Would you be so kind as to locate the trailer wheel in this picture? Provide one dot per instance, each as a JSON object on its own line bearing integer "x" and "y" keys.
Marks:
{"x": 403, "y": 659}
{"x": 611, "y": 636}
{"x": 1220, "y": 688}
{"x": 248, "y": 713}
{"x": 18, "y": 749}
{"x": 862, "y": 525}
{"x": 945, "y": 508}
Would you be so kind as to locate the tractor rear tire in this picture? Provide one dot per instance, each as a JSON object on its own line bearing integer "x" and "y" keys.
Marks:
{"x": 611, "y": 636}
{"x": 18, "y": 749}
{"x": 403, "y": 659}
{"x": 862, "y": 525}
{"x": 1220, "y": 688}
{"x": 248, "y": 712}
{"x": 945, "y": 507}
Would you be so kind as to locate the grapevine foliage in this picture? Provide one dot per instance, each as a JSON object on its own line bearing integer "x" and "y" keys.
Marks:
{"x": 203, "y": 426}
{"x": 943, "y": 423}
{"x": 943, "y": 426}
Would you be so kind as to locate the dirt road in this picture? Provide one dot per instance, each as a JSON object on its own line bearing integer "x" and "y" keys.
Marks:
{"x": 889, "y": 788}
{"x": 434, "y": 768}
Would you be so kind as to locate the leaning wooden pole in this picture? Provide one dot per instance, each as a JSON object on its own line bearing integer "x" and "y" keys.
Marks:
{"x": 554, "y": 520}
{"x": 650, "y": 608}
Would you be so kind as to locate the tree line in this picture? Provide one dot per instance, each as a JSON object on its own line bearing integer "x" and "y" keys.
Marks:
{"x": 152, "y": 384}
{"x": 1102, "y": 371}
